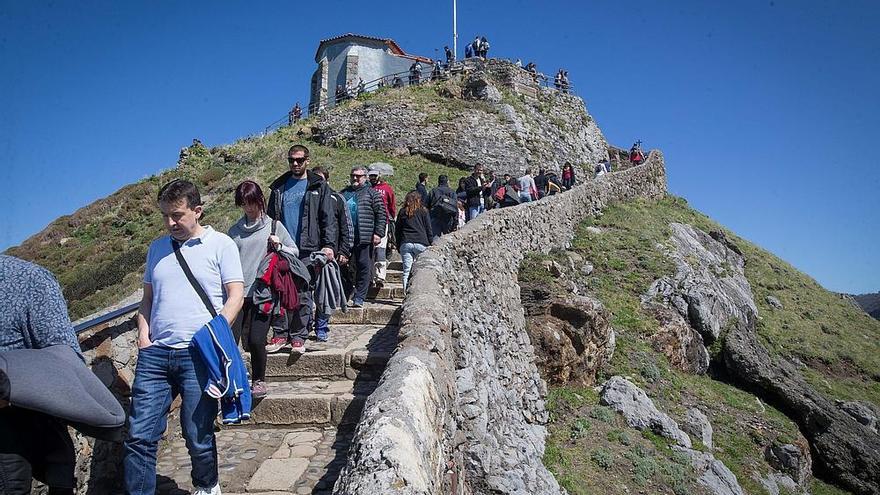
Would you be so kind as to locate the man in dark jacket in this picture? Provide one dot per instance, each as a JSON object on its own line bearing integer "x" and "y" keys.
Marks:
{"x": 541, "y": 182}
{"x": 344, "y": 243}
{"x": 443, "y": 206}
{"x": 476, "y": 187}
{"x": 302, "y": 201}
{"x": 422, "y": 188}
{"x": 368, "y": 216}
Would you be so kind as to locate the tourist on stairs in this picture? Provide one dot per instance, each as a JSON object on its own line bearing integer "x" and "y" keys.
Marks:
{"x": 303, "y": 202}
{"x": 172, "y": 310}
{"x": 387, "y": 194}
{"x": 443, "y": 204}
{"x": 368, "y": 217}
{"x": 253, "y": 234}
{"x": 413, "y": 232}
{"x": 344, "y": 244}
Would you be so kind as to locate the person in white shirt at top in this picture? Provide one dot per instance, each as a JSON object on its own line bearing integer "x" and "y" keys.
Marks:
{"x": 170, "y": 313}
{"x": 527, "y": 187}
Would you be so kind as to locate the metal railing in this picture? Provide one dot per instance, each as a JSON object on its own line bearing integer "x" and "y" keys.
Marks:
{"x": 398, "y": 80}
{"x": 100, "y": 320}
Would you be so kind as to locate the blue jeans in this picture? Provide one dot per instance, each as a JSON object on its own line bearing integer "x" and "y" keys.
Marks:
{"x": 409, "y": 251}
{"x": 525, "y": 197}
{"x": 163, "y": 373}
{"x": 473, "y": 212}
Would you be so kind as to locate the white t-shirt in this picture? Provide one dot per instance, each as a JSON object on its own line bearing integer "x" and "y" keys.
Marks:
{"x": 177, "y": 311}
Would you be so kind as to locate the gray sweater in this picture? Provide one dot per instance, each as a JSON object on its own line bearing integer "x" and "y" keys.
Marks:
{"x": 252, "y": 241}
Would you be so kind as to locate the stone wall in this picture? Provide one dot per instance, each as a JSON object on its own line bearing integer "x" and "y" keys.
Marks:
{"x": 111, "y": 352}
{"x": 460, "y": 407}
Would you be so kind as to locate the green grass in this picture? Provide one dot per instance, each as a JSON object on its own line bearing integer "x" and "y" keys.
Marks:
{"x": 104, "y": 244}
{"x": 814, "y": 324}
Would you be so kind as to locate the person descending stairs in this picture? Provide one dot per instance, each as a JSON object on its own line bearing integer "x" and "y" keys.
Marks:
{"x": 298, "y": 436}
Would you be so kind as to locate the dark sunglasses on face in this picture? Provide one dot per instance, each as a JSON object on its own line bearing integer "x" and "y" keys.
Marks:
{"x": 356, "y": 176}
{"x": 291, "y": 159}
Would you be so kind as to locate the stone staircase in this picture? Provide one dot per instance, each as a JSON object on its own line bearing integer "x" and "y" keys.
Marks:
{"x": 298, "y": 437}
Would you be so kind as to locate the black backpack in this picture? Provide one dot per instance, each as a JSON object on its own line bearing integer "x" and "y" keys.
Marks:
{"x": 445, "y": 204}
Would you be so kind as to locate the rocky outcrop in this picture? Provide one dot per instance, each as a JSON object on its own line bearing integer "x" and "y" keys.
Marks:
{"x": 710, "y": 291}
{"x": 481, "y": 116}
{"x": 639, "y": 410}
{"x": 640, "y": 413}
{"x": 479, "y": 396}
{"x": 573, "y": 339}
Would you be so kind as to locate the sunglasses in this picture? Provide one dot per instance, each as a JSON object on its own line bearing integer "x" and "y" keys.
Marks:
{"x": 290, "y": 159}
{"x": 356, "y": 176}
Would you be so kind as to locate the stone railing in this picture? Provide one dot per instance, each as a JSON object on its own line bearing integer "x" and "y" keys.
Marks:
{"x": 460, "y": 407}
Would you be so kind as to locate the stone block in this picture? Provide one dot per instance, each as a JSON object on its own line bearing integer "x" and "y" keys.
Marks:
{"x": 292, "y": 410}
{"x": 346, "y": 409}
{"x": 329, "y": 364}
{"x": 277, "y": 475}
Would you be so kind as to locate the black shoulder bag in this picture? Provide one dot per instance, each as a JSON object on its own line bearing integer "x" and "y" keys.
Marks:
{"x": 192, "y": 279}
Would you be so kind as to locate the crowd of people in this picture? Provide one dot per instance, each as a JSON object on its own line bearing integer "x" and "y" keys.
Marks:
{"x": 272, "y": 280}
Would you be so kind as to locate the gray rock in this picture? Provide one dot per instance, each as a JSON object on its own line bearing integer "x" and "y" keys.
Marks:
{"x": 697, "y": 425}
{"x": 789, "y": 459}
{"x": 639, "y": 411}
{"x": 773, "y": 302}
{"x": 587, "y": 268}
{"x": 863, "y": 412}
{"x": 594, "y": 230}
{"x": 712, "y": 473}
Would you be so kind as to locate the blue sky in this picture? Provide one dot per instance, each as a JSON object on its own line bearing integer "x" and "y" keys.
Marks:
{"x": 767, "y": 112}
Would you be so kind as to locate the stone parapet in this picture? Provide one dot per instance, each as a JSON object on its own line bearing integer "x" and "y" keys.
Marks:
{"x": 460, "y": 407}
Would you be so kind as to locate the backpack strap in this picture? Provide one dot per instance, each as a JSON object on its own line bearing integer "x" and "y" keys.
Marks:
{"x": 192, "y": 279}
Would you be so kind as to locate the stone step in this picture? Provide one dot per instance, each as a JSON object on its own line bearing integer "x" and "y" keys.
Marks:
{"x": 279, "y": 460}
{"x": 390, "y": 290}
{"x": 394, "y": 276}
{"x": 396, "y": 265}
{"x": 351, "y": 351}
{"x": 378, "y": 312}
{"x": 309, "y": 403}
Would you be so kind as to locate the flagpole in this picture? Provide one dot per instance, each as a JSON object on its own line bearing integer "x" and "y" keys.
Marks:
{"x": 455, "y": 27}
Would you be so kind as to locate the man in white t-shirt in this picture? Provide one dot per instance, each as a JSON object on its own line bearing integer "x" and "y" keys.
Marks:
{"x": 170, "y": 313}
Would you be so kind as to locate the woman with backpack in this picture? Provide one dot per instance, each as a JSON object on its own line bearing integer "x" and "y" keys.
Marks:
{"x": 256, "y": 234}
{"x": 413, "y": 232}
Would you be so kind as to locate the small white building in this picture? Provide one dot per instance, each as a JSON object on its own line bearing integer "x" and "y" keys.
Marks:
{"x": 349, "y": 58}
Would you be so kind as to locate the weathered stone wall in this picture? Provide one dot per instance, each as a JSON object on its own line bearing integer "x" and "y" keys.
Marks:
{"x": 111, "y": 352}
{"x": 460, "y": 407}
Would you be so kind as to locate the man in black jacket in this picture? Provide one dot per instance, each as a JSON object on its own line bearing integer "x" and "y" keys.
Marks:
{"x": 344, "y": 243}
{"x": 476, "y": 187}
{"x": 422, "y": 188}
{"x": 302, "y": 201}
{"x": 367, "y": 212}
{"x": 443, "y": 206}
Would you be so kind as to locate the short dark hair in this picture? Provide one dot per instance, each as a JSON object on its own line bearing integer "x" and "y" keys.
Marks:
{"x": 298, "y": 147}
{"x": 178, "y": 189}
{"x": 249, "y": 193}
{"x": 322, "y": 171}
{"x": 423, "y": 176}
{"x": 478, "y": 165}
{"x": 442, "y": 179}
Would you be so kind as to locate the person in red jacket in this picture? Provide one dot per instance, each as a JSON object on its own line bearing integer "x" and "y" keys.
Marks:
{"x": 387, "y": 193}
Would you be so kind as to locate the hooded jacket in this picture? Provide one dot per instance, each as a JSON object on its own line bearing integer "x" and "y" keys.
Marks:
{"x": 318, "y": 226}
{"x": 372, "y": 217}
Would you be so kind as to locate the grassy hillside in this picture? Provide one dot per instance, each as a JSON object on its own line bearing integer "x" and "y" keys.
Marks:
{"x": 98, "y": 252}
{"x": 838, "y": 344}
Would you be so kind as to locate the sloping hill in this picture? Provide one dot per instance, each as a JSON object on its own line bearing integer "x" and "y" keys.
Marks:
{"x": 98, "y": 252}
{"x": 870, "y": 303}
{"x": 834, "y": 346}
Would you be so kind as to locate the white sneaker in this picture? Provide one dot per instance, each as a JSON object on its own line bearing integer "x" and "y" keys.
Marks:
{"x": 214, "y": 490}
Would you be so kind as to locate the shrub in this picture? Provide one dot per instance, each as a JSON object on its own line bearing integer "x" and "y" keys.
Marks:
{"x": 602, "y": 458}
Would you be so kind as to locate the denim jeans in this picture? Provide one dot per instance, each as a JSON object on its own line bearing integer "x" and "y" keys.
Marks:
{"x": 525, "y": 197}
{"x": 163, "y": 373}
{"x": 409, "y": 251}
{"x": 474, "y": 211}
{"x": 361, "y": 265}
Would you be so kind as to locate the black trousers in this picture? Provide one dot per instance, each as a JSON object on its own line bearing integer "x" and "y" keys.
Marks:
{"x": 252, "y": 327}
{"x": 34, "y": 445}
{"x": 357, "y": 274}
